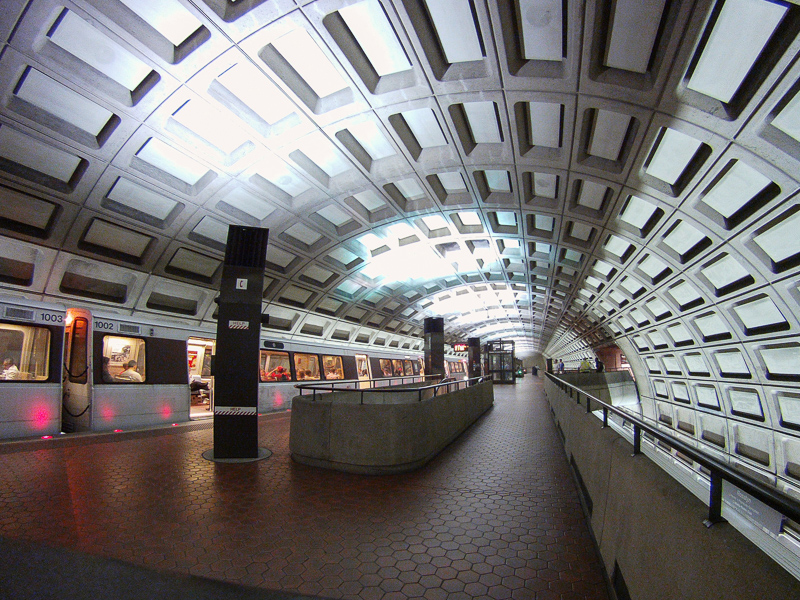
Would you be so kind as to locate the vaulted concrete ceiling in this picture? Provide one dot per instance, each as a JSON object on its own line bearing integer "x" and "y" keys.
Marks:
{"x": 557, "y": 173}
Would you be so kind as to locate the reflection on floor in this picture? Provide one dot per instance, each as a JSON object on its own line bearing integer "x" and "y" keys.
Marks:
{"x": 496, "y": 515}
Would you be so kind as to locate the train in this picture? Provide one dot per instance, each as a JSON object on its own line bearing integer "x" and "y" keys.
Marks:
{"x": 79, "y": 369}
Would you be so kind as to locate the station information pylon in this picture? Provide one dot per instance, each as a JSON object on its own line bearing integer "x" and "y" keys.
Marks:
{"x": 434, "y": 347}
{"x": 238, "y": 333}
{"x": 473, "y": 357}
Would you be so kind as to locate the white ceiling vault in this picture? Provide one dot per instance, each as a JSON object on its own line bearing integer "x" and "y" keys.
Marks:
{"x": 557, "y": 173}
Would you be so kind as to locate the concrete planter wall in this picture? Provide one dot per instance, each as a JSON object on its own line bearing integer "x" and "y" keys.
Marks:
{"x": 392, "y": 434}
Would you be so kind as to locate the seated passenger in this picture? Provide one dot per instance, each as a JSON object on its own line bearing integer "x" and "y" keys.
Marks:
{"x": 197, "y": 384}
{"x": 130, "y": 373}
{"x": 10, "y": 370}
{"x": 107, "y": 377}
{"x": 279, "y": 373}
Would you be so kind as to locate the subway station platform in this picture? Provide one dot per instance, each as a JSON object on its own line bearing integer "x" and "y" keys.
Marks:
{"x": 144, "y": 515}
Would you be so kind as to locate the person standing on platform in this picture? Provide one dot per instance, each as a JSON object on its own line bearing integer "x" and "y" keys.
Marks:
{"x": 586, "y": 366}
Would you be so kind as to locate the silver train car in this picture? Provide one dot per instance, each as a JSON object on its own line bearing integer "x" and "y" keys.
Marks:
{"x": 80, "y": 370}
{"x": 122, "y": 372}
{"x": 31, "y": 346}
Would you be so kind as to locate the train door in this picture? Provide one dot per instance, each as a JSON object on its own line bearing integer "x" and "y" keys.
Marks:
{"x": 364, "y": 371}
{"x": 201, "y": 383}
{"x": 77, "y": 389}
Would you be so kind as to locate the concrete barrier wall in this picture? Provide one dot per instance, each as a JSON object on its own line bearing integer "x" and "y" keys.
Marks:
{"x": 649, "y": 528}
{"x": 380, "y": 438}
{"x": 380, "y": 395}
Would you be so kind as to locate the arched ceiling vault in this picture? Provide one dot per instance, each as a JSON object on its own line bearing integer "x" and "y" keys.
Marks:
{"x": 558, "y": 173}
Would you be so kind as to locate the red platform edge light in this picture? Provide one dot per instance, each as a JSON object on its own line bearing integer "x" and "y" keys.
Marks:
{"x": 118, "y": 431}
{"x": 47, "y": 437}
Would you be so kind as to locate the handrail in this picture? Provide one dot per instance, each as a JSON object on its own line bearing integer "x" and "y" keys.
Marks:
{"x": 772, "y": 497}
{"x": 330, "y": 386}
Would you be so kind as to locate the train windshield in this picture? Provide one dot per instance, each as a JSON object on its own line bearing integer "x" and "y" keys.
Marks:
{"x": 24, "y": 352}
{"x": 333, "y": 367}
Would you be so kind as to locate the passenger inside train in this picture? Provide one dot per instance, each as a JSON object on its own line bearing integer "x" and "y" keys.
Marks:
{"x": 107, "y": 376}
{"x": 10, "y": 370}
{"x": 199, "y": 390}
{"x": 279, "y": 373}
{"x": 130, "y": 374}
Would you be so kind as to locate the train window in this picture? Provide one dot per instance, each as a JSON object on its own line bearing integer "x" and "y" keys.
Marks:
{"x": 25, "y": 351}
{"x": 274, "y": 366}
{"x": 408, "y": 368}
{"x": 126, "y": 359}
{"x": 398, "y": 367}
{"x": 362, "y": 365}
{"x": 333, "y": 367}
{"x": 306, "y": 366}
{"x": 386, "y": 367}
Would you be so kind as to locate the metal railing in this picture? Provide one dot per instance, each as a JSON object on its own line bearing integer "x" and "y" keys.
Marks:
{"x": 719, "y": 471}
{"x": 395, "y": 385}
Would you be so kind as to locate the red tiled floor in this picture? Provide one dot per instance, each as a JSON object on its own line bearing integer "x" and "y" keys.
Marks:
{"x": 496, "y": 515}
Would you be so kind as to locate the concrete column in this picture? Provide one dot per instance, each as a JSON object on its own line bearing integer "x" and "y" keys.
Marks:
{"x": 238, "y": 332}
{"x": 434, "y": 346}
{"x": 473, "y": 357}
